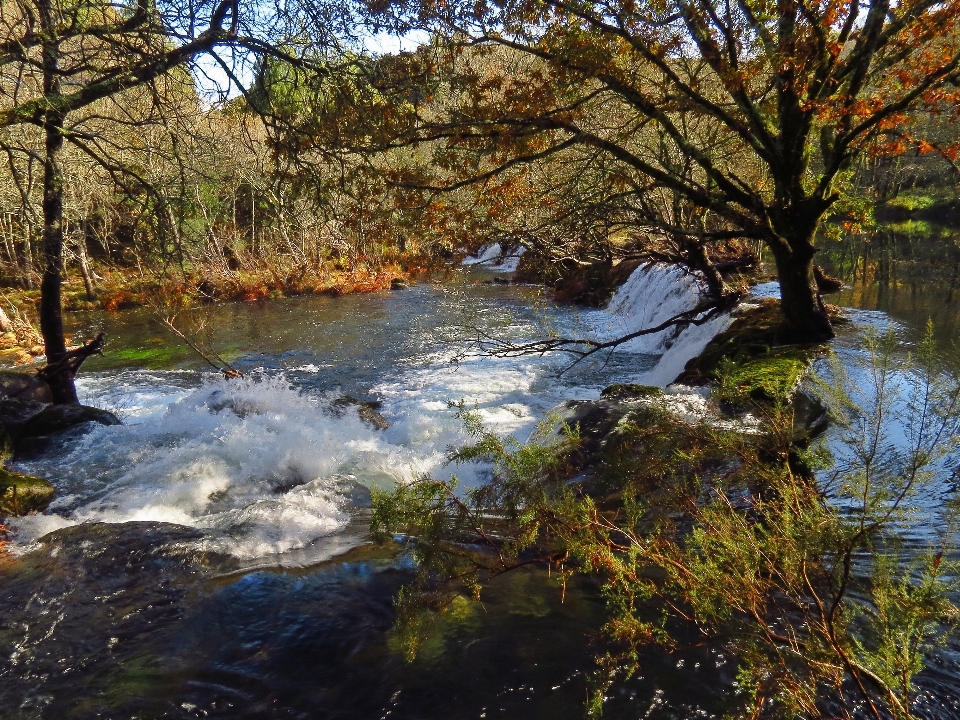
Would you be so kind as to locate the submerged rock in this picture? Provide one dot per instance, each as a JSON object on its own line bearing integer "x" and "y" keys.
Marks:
{"x": 23, "y": 494}
{"x": 366, "y": 409}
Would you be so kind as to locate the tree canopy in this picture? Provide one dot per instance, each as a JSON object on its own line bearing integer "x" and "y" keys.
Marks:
{"x": 749, "y": 114}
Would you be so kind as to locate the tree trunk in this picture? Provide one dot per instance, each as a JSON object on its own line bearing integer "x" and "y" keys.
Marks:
{"x": 800, "y": 299}
{"x": 26, "y": 278}
{"x": 84, "y": 263}
{"x": 697, "y": 257}
{"x": 58, "y": 372}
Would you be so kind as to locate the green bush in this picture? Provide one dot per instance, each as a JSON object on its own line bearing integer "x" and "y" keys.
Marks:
{"x": 790, "y": 560}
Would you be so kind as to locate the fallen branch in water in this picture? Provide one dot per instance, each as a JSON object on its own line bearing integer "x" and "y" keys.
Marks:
{"x": 211, "y": 357}
{"x": 583, "y": 348}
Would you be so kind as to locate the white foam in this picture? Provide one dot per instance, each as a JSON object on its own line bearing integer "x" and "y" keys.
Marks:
{"x": 259, "y": 464}
{"x": 491, "y": 255}
{"x": 653, "y": 294}
{"x": 252, "y": 459}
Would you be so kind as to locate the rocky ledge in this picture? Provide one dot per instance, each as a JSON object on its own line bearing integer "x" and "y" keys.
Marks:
{"x": 28, "y": 422}
{"x": 744, "y": 372}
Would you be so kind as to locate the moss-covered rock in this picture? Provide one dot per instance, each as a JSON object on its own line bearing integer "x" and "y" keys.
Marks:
{"x": 753, "y": 358}
{"x": 773, "y": 376}
{"x": 23, "y": 494}
{"x": 629, "y": 391}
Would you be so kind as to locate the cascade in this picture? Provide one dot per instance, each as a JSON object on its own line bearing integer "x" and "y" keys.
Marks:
{"x": 653, "y": 294}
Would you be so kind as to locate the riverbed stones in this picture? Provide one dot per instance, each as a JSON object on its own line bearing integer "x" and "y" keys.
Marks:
{"x": 23, "y": 494}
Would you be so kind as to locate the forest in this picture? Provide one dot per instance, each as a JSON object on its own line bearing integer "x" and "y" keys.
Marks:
{"x": 170, "y": 170}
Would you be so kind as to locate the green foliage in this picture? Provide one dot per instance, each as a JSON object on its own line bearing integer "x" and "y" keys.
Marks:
{"x": 803, "y": 578}
{"x": 911, "y": 202}
{"x": 773, "y": 377}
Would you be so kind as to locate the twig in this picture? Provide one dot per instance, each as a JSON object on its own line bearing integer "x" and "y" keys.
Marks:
{"x": 498, "y": 347}
{"x": 216, "y": 362}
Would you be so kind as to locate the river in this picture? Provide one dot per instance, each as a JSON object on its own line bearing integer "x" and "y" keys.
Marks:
{"x": 211, "y": 556}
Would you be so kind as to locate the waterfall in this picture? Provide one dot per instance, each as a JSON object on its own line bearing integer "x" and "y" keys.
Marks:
{"x": 493, "y": 258}
{"x": 653, "y": 294}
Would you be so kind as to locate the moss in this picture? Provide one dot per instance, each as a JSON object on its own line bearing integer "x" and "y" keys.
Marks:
{"x": 631, "y": 392}
{"x": 22, "y": 494}
{"x": 911, "y": 202}
{"x": 772, "y": 377}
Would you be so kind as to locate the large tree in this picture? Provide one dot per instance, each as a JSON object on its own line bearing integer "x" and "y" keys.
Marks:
{"x": 61, "y": 57}
{"x": 783, "y": 95}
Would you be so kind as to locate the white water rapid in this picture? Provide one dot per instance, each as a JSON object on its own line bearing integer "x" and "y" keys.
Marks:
{"x": 265, "y": 465}
{"x": 493, "y": 258}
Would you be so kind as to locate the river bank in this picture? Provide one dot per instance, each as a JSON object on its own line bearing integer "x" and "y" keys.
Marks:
{"x": 119, "y": 288}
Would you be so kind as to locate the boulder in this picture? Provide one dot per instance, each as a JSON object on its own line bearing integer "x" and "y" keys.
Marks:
{"x": 399, "y": 284}
{"x": 366, "y": 409}
{"x": 23, "y": 386}
{"x": 595, "y": 420}
{"x": 15, "y": 411}
{"x": 23, "y": 494}
{"x": 55, "y": 419}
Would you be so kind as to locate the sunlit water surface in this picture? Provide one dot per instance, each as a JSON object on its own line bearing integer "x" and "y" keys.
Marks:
{"x": 212, "y": 558}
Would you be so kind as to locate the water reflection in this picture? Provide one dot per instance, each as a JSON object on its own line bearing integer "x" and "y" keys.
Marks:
{"x": 910, "y": 270}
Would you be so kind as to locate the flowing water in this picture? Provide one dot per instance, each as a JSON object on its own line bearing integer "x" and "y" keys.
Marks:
{"x": 210, "y": 556}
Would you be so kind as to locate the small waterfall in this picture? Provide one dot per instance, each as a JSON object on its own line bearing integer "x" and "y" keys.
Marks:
{"x": 653, "y": 294}
{"x": 493, "y": 258}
